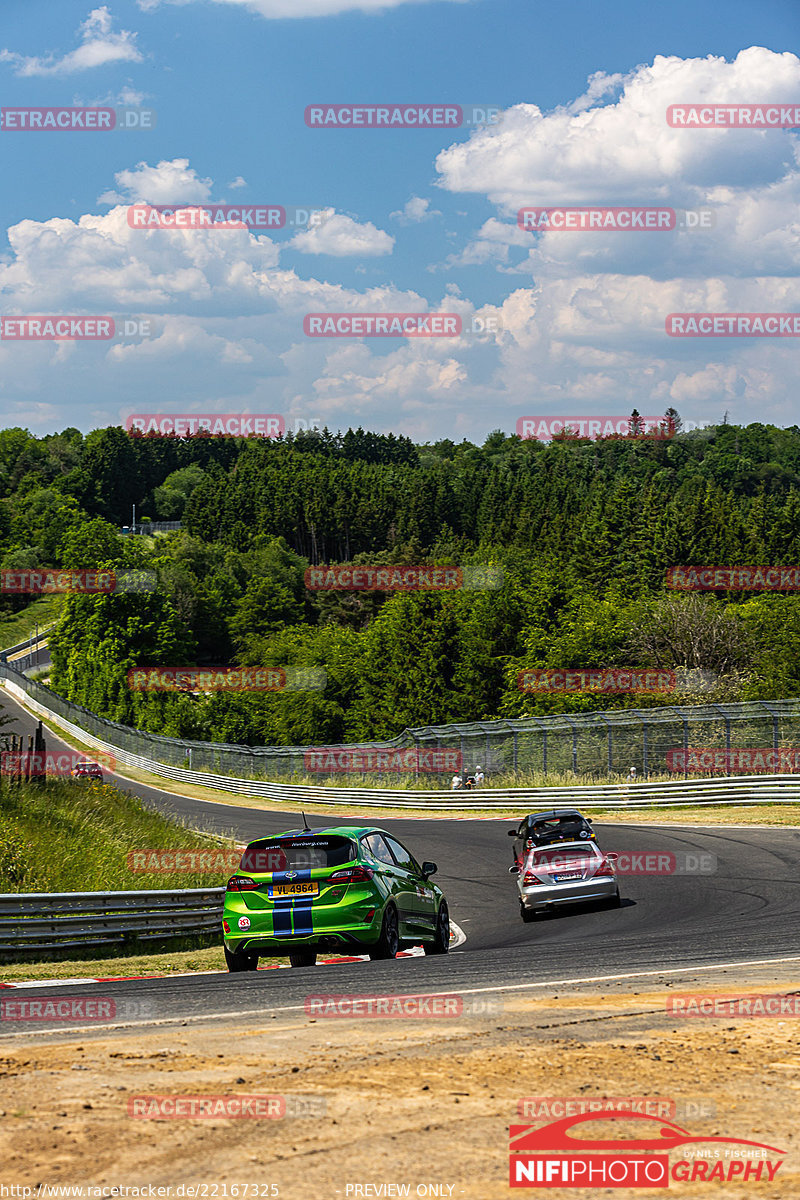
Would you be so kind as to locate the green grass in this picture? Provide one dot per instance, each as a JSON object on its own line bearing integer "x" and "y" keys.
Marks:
{"x": 96, "y": 965}
{"x": 16, "y": 627}
{"x": 74, "y": 836}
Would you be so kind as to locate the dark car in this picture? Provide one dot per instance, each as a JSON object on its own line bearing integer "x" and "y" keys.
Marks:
{"x": 548, "y": 829}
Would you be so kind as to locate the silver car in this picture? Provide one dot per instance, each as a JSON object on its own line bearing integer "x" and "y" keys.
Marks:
{"x": 569, "y": 873}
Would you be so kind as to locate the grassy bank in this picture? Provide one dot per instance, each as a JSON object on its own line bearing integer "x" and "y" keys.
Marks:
{"x": 16, "y": 627}
{"x": 73, "y": 836}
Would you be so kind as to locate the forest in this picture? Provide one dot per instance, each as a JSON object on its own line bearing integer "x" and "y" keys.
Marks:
{"x": 581, "y": 533}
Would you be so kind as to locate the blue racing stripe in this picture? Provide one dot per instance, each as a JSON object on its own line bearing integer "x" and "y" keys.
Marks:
{"x": 301, "y": 913}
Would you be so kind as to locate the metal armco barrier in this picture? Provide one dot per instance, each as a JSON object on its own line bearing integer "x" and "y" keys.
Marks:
{"x": 42, "y": 921}
{"x": 750, "y": 789}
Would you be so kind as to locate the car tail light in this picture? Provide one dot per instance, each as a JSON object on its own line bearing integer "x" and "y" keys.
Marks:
{"x": 528, "y": 879}
{"x": 529, "y": 844}
{"x": 606, "y": 868}
{"x": 352, "y": 875}
{"x": 241, "y": 883}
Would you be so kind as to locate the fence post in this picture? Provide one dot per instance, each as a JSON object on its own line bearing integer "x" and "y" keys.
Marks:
{"x": 516, "y": 749}
{"x": 645, "y": 748}
{"x": 685, "y": 747}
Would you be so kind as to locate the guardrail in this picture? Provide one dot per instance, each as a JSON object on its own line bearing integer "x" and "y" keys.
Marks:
{"x": 42, "y": 921}
{"x": 748, "y": 789}
{"x": 34, "y": 640}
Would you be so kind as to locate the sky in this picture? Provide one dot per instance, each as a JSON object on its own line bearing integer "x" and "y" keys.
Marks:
{"x": 568, "y": 108}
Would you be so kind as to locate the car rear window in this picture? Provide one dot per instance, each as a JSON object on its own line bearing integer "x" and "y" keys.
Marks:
{"x": 296, "y": 854}
{"x": 560, "y": 856}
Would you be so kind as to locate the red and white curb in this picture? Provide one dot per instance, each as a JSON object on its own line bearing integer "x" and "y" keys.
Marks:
{"x": 457, "y": 938}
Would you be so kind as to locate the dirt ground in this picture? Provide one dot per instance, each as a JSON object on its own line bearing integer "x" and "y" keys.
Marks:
{"x": 424, "y": 1104}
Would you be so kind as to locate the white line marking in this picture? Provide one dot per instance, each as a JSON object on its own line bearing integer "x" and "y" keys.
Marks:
{"x": 511, "y": 987}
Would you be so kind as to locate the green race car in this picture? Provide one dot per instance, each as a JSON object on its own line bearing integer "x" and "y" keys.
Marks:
{"x": 344, "y": 888}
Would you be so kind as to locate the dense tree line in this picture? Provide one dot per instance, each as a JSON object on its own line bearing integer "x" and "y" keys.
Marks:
{"x": 582, "y": 530}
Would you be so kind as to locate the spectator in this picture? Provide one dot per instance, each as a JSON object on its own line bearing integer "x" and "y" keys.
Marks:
{"x": 632, "y": 775}
{"x": 470, "y": 783}
{"x": 456, "y": 783}
{"x": 479, "y": 776}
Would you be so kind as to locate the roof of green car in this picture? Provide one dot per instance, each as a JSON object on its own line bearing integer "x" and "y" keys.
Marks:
{"x": 341, "y": 830}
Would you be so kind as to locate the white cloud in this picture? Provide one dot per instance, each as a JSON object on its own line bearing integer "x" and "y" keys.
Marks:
{"x": 491, "y": 245}
{"x": 171, "y": 181}
{"x": 582, "y": 333}
{"x": 99, "y": 47}
{"x": 341, "y": 236}
{"x": 126, "y": 95}
{"x": 624, "y": 152}
{"x": 238, "y": 182}
{"x": 276, "y": 9}
{"x": 414, "y": 210}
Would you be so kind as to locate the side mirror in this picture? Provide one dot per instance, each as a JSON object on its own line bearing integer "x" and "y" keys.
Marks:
{"x": 429, "y": 868}
{"x": 513, "y": 870}
{"x": 512, "y": 833}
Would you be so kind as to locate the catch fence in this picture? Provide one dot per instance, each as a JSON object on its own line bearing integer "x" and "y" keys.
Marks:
{"x": 598, "y": 745}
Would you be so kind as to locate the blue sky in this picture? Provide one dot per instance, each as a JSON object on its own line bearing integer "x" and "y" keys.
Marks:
{"x": 414, "y": 219}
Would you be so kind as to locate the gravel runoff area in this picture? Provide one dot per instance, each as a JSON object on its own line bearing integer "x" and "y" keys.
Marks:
{"x": 417, "y": 1106}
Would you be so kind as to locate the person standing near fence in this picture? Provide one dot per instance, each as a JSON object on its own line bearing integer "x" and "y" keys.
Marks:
{"x": 479, "y": 776}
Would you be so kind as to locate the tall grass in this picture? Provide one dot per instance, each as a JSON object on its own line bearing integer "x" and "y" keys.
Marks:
{"x": 77, "y": 836}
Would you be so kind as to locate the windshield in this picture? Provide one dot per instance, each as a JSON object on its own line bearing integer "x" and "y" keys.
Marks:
{"x": 296, "y": 854}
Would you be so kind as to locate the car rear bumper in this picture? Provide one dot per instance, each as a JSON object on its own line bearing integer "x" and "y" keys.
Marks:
{"x": 322, "y": 940}
{"x": 546, "y": 895}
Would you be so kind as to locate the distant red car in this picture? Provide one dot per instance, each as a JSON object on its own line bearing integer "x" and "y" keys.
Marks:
{"x": 87, "y": 770}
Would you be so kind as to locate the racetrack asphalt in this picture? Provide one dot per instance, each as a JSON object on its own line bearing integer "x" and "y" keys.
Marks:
{"x": 747, "y": 910}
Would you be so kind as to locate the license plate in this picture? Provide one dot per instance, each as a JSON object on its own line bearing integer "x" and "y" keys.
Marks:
{"x": 569, "y": 875}
{"x": 293, "y": 889}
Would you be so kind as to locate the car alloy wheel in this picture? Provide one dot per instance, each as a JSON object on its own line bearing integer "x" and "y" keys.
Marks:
{"x": 389, "y": 942}
{"x": 441, "y": 940}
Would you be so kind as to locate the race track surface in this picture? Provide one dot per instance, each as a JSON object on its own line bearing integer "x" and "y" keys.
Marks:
{"x": 747, "y": 910}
